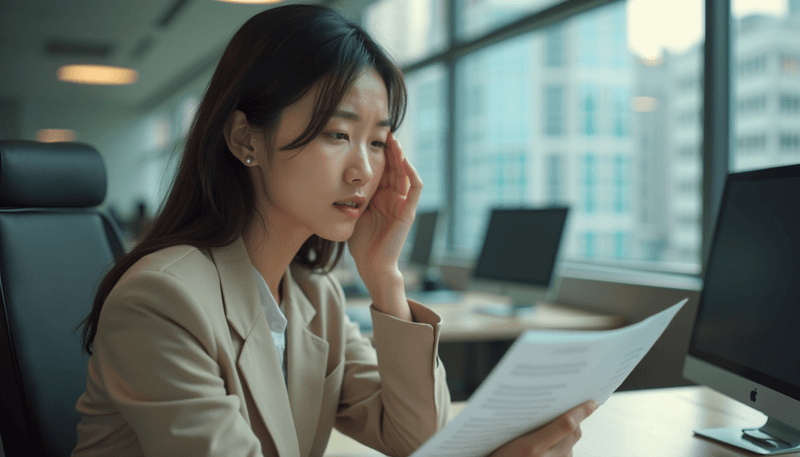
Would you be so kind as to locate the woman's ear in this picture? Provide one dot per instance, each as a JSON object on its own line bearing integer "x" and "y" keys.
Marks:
{"x": 239, "y": 138}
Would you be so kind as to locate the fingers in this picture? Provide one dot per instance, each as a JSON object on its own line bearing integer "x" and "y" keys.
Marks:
{"x": 414, "y": 190}
{"x": 397, "y": 172}
{"x": 564, "y": 447}
{"x": 389, "y": 155}
{"x": 565, "y": 425}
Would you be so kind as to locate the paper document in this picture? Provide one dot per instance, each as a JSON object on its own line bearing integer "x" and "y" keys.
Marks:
{"x": 544, "y": 374}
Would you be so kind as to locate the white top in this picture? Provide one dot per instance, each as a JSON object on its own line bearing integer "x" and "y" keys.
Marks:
{"x": 275, "y": 318}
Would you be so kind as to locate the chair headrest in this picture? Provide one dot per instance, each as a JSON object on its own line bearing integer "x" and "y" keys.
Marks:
{"x": 37, "y": 175}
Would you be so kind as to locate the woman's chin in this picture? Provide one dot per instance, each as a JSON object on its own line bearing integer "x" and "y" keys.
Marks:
{"x": 342, "y": 234}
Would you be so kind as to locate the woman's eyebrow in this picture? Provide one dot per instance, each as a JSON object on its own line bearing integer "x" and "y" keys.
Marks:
{"x": 349, "y": 115}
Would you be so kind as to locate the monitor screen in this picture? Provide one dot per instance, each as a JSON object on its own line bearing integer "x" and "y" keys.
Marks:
{"x": 521, "y": 245}
{"x": 423, "y": 238}
{"x": 749, "y": 310}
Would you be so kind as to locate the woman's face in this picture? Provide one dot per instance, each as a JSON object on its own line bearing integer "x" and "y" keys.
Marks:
{"x": 304, "y": 189}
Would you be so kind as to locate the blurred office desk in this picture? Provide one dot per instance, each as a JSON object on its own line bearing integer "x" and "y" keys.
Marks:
{"x": 460, "y": 322}
{"x": 643, "y": 423}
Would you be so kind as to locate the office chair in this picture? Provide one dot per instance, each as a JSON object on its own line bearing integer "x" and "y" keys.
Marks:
{"x": 54, "y": 247}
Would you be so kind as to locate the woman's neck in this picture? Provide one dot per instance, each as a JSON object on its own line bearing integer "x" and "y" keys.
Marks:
{"x": 271, "y": 247}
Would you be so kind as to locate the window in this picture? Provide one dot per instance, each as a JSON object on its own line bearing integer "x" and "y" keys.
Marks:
{"x": 790, "y": 64}
{"x": 790, "y": 142}
{"x": 577, "y": 105}
{"x": 790, "y": 103}
{"x": 621, "y": 245}
{"x": 590, "y": 247}
{"x": 622, "y": 177}
{"x": 766, "y": 88}
{"x": 554, "y": 46}
{"x": 554, "y": 110}
{"x": 754, "y": 104}
{"x": 477, "y": 17}
{"x": 408, "y": 29}
{"x": 555, "y": 179}
{"x": 422, "y": 132}
{"x": 621, "y": 113}
{"x": 589, "y": 183}
{"x": 589, "y": 108}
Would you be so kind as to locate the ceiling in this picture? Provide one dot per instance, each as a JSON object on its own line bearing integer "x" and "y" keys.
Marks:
{"x": 167, "y": 41}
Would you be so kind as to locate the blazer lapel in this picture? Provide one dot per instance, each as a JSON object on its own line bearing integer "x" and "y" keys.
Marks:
{"x": 258, "y": 361}
{"x": 307, "y": 362}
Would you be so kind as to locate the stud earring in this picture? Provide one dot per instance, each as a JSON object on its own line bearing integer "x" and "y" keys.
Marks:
{"x": 248, "y": 160}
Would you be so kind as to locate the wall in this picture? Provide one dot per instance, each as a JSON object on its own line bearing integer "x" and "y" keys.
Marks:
{"x": 124, "y": 136}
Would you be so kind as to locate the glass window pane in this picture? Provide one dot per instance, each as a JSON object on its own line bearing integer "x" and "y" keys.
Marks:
{"x": 422, "y": 133}
{"x": 477, "y": 17}
{"x": 602, "y": 113}
{"x": 408, "y": 29}
{"x": 765, "y": 95}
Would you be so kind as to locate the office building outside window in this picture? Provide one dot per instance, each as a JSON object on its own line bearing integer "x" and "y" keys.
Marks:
{"x": 422, "y": 133}
{"x": 765, "y": 51}
{"x": 555, "y": 179}
{"x": 590, "y": 112}
{"x": 554, "y": 110}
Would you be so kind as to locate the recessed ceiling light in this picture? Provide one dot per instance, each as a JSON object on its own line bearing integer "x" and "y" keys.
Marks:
{"x": 97, "y": 74}
{"x": 55, "y": 135}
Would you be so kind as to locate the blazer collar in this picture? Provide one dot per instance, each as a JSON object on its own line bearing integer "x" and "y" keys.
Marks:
{"x": 239, "y": 289}
{"x": 307, "y": 358}
{"x": 258, "y": 360}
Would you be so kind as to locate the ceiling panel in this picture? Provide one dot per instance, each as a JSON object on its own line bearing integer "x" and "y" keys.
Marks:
{"x": 191, "y": 43}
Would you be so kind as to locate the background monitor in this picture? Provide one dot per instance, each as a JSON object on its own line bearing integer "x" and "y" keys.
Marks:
{"x": 519, "y": 256}
{"x": 422, "y": 259}
{"x": 425, "y": 232}
{"x": 746, "y": 339}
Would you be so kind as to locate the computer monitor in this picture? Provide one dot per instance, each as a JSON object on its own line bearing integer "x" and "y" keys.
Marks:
{"x": 422, "y": 250}
{"x": 519, "y": 257}
{"x": 746, "y": 338}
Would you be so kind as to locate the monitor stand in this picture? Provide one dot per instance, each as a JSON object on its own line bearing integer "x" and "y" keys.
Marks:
{"x": 773, "y": 438}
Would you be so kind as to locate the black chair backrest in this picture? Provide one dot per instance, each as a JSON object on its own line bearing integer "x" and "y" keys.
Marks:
{"x": 54, "y": 248}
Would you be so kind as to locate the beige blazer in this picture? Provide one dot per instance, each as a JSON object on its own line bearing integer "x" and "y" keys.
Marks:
{"x": 184, "y": 364}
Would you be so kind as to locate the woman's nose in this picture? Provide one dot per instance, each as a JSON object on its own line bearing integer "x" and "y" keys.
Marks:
{"x": 359, "y": 169}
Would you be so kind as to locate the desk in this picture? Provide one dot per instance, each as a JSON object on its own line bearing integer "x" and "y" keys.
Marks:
{"x": 471, "y": 344}
{"x": 644, "y": 423}
{"x": 461, "y": 324}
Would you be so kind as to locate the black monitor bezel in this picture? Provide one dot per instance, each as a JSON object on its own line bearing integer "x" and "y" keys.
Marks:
{"x": 436, "y": 214}
{"x": 481, "y": 258}
{"x": 783, "y": 387}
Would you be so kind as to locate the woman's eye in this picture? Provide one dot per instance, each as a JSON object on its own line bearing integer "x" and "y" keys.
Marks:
{"x": 339, "y": 136}
{"x": 379, "y": 144}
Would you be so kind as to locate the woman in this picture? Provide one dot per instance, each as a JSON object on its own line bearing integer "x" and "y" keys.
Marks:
{"x": 221, "y": 332}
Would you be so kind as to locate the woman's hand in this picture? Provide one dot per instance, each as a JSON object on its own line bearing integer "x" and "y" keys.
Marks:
{"x": 382, "y": 229}
{"x": 555, "y": 439}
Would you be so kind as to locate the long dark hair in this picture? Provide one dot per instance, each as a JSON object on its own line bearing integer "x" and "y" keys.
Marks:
{"x": 271, "y": 62}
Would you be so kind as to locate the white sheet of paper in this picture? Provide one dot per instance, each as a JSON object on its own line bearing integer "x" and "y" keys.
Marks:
{"x": 544, "y": 374}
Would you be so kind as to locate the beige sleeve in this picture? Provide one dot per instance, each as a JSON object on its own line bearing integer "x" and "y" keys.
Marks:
{"x": 152, "y": 349}
{"x": 394, "y": 396}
